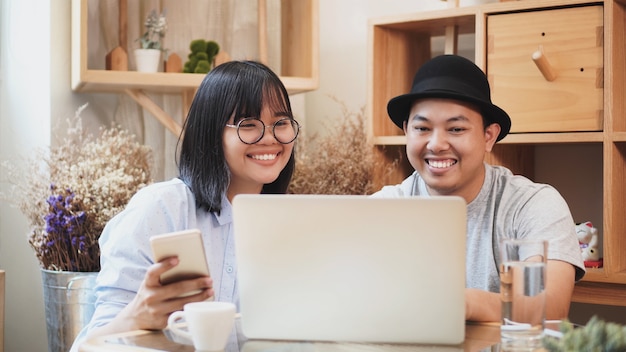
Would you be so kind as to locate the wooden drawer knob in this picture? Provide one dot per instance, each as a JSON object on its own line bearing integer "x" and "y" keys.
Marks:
{"x": 543, "y": 65}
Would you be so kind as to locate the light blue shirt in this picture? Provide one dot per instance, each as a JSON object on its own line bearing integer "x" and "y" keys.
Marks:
{"x": 125, "y": 249}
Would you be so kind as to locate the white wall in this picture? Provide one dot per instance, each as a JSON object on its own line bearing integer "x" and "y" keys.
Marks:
{"x": 24, "y": 123}
{"x": 35, "y": 95}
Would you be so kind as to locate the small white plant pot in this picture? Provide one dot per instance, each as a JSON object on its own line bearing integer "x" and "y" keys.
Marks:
{"x": 147, "y": 60}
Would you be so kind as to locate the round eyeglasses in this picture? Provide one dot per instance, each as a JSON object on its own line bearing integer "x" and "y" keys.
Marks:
{"x": 251, "y": 130}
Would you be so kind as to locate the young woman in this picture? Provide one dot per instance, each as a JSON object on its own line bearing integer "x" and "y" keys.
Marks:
{"x": 238, "y": 138}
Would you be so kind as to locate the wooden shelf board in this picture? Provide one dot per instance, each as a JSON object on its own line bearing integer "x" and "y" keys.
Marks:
{"x": 437, "y": 20}
{"x": 521, "y": 138}
{"x": 297, "y": 85}
{"x": 102, "y": 81}
{"x": 514, "y": 6}
{"x": 594, "y": 274}
{"x": 600, "y": 293}
{"x": 619, "y": 137}
{"x": 548, "y": 138}
{"x": 433, "y": 20}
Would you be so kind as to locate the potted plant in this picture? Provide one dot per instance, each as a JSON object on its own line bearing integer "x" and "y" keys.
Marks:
{"x": 68, "y": 193}
{"x": 148, "y": 56}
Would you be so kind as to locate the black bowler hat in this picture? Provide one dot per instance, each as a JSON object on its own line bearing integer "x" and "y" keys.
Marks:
{"x": 450, "y": 77}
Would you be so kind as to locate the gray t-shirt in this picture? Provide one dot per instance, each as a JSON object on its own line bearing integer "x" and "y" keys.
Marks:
{"x": 507, "y": 206}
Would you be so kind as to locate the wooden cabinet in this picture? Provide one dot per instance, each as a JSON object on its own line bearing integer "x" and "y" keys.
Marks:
{"x": 299, "y": 58}
{"x": 569, "y": 42}
{"x": 577, "y": 127}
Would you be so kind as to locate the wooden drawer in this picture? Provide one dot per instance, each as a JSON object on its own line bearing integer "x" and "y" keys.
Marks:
{"x": 571, "y": 40}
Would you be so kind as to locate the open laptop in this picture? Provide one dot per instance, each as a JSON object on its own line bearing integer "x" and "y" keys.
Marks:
{"x": 351, "y": 268}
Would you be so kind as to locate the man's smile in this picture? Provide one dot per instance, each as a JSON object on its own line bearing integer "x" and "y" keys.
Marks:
{"x": 441, "y": 163}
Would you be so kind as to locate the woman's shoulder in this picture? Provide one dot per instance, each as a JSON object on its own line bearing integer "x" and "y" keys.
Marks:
{"x": 156, "y": 207}
{"x": 168, "y": 188}
{"x": 170, "y": 193}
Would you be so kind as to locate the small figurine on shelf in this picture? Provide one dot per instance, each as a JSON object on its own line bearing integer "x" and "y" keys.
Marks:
{"x": 588, "y": 240}
{"x": 202, "y": 57}
{"x": 148, "y": 56}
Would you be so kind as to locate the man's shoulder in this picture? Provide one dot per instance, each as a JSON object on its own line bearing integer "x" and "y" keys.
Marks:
{"x": 518, "y": 189}
{"x": 502, "y": 176}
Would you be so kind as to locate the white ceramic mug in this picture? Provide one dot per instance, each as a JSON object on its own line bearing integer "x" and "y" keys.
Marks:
{"x": 209, "y": 324}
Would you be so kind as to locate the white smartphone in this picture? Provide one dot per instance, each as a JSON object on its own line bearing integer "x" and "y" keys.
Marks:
{"x": 188, "y": 246}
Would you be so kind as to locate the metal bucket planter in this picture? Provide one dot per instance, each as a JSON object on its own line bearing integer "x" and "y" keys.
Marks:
{"x": 69, "y": 301}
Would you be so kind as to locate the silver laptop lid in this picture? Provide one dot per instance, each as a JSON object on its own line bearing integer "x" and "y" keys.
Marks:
{"x": 351, "y": 268}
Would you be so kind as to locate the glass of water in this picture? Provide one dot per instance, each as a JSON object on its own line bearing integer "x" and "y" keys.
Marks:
{"x": 523, "y": 295}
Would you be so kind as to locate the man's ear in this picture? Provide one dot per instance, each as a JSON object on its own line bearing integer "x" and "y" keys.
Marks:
{"x": 491, "y": 135}
{"x": 404, "y": 126}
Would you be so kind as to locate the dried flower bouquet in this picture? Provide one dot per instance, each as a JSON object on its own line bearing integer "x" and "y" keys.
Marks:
{"x": 68, "y": 193}
{"x": 341, "y": 161}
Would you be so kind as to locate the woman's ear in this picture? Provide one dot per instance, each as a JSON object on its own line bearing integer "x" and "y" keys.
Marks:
{"x": 491, "y": 135}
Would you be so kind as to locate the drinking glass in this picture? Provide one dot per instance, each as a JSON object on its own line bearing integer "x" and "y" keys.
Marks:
{"x": 523, "y": 295}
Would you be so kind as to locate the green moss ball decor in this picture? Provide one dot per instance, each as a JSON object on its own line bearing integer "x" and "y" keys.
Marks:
{"x": 202, "y": 56}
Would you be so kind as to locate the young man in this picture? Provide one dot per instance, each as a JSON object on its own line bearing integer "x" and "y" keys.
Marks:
{"x": 450, "y": 124}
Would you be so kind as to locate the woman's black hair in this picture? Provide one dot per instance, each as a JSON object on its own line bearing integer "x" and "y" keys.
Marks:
{"x": 235, "y": 88}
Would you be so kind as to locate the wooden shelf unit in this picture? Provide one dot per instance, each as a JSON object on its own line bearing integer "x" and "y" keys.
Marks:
{"x": 299, "y": 70}
{"x": 399, "y": 45}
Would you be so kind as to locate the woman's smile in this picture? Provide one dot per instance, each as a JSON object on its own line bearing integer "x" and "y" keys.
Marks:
{"x": 265, "y": 156}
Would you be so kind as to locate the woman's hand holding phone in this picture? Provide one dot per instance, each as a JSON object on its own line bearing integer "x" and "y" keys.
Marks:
{"x": 188, "y": 247}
